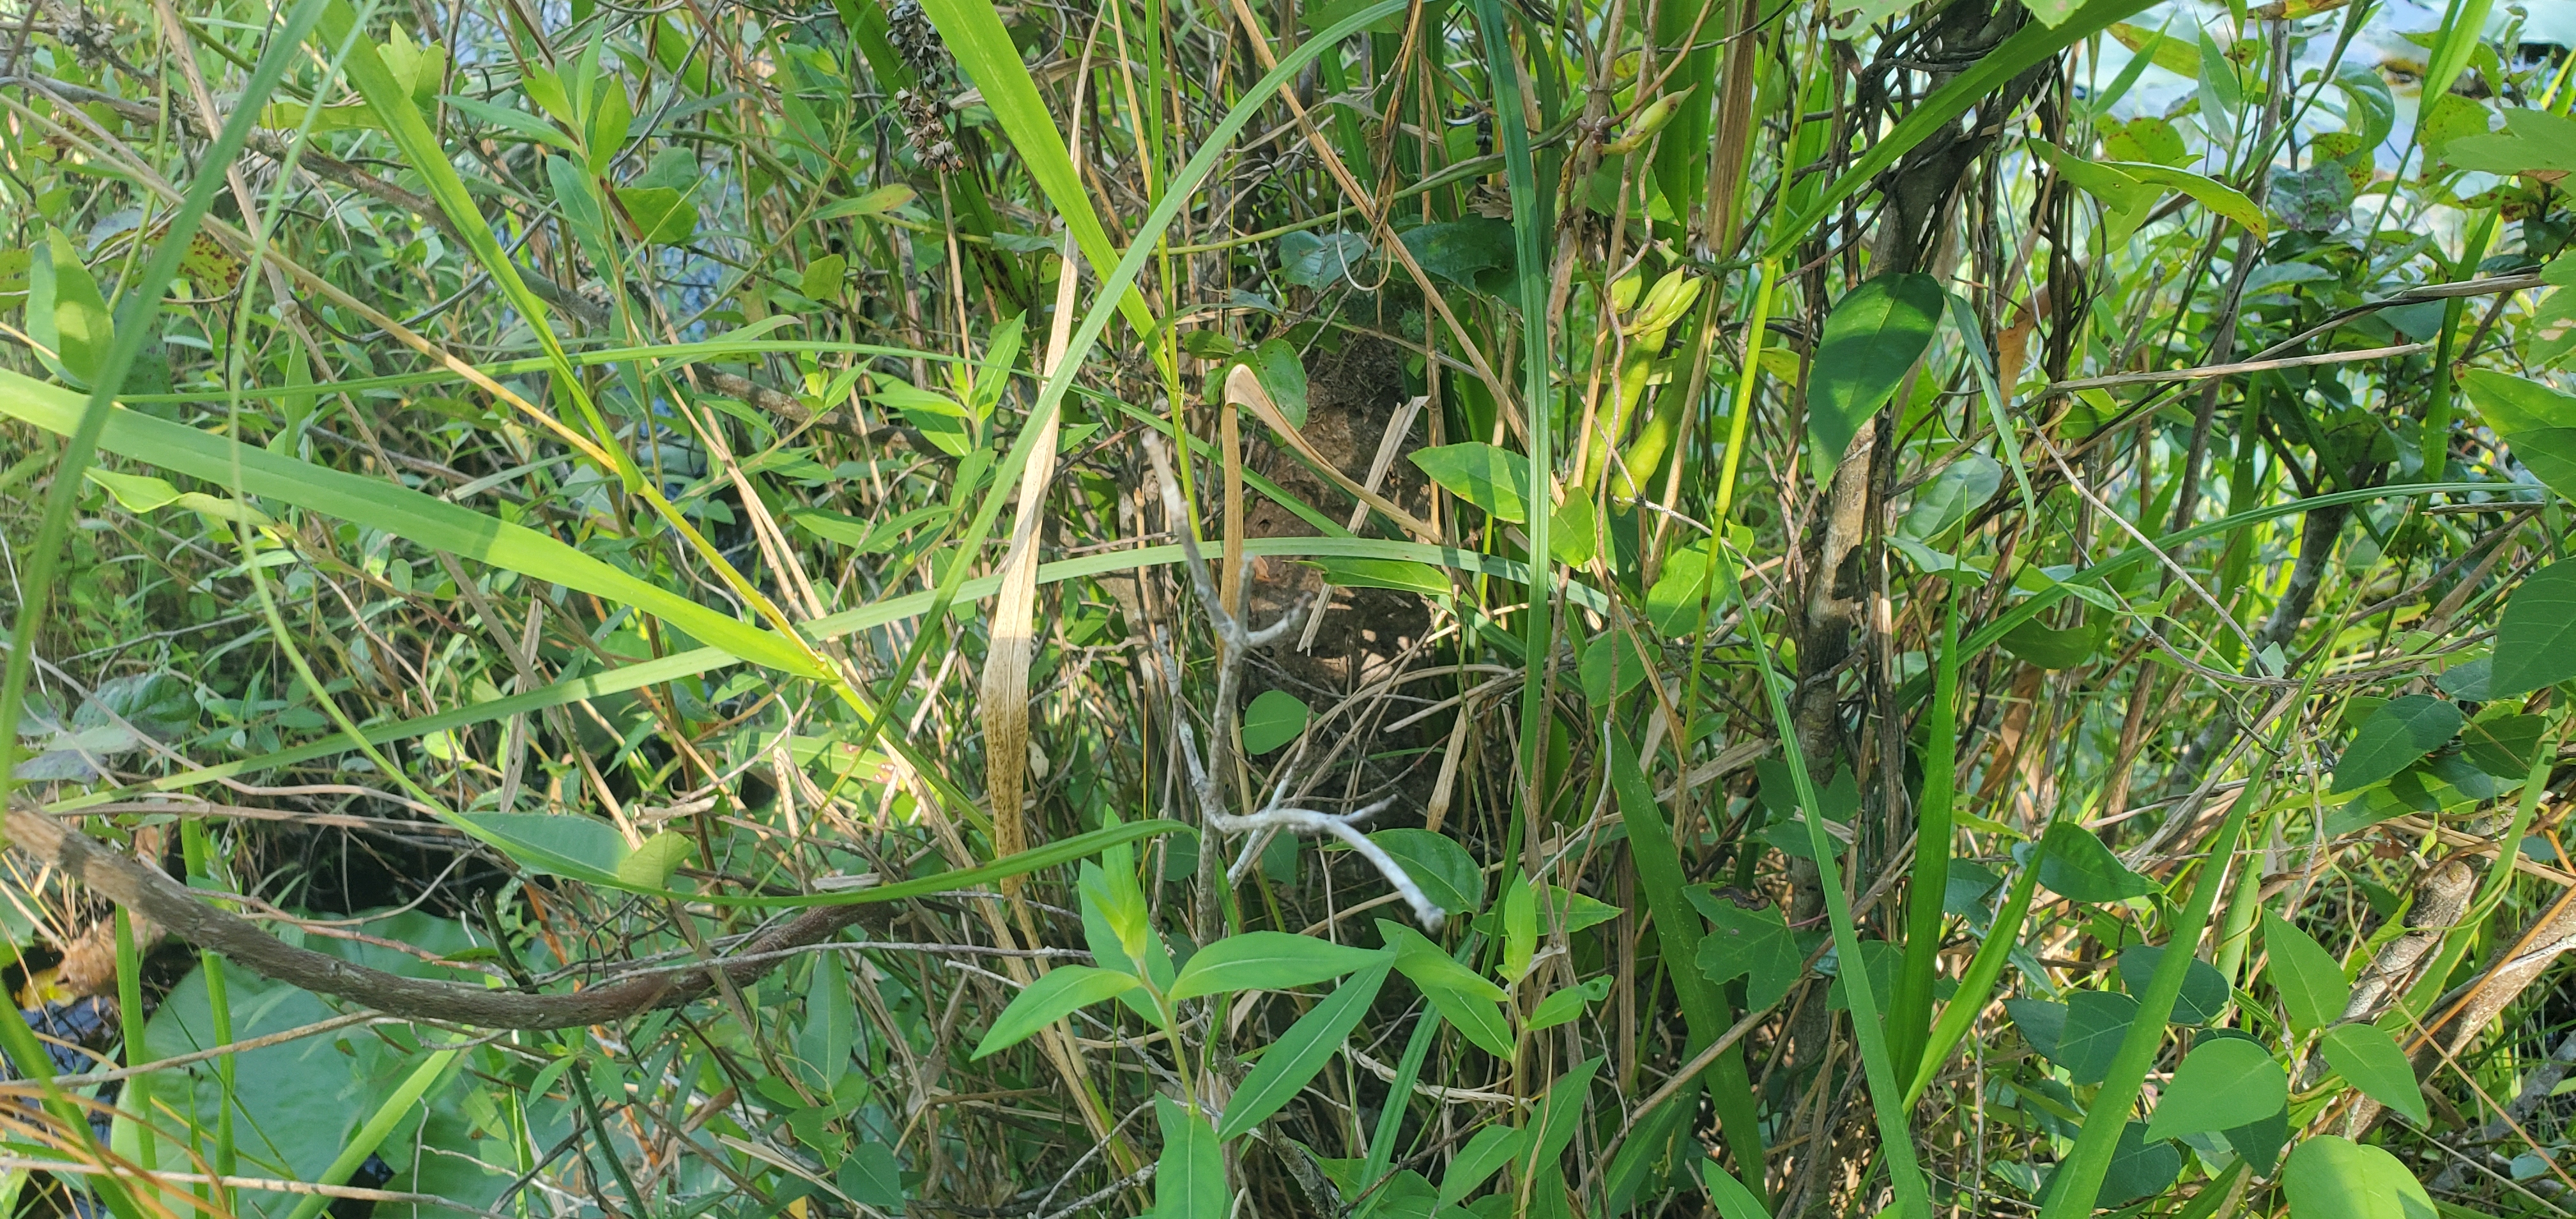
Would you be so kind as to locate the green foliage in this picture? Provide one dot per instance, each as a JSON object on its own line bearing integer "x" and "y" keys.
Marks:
{"x": 594, "y": 493}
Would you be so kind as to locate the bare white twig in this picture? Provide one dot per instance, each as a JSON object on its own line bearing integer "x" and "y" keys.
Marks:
{"x": 1235, "y": 642}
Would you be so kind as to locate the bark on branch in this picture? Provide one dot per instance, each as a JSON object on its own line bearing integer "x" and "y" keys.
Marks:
{"x": 165, "y": 901}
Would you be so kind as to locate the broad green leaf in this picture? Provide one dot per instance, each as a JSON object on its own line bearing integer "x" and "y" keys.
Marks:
{"x": 2503, "y": 745}
{"x": 1756, "y": 945}
{"x": 1881, "y": 960}
{"x": 2332, "y": 1177}
{"x": 2260, "y": 1141}
{"x": 1872, "y": 338}
{"x": 1272, "y": 720}
{"x": 2074, "y": 864}
{"x": 1560, "y": 1111}
{"x": 1283, "y": 377}
{"x": 650, "y": 866}
{"x": 661, "y": 215}
{"x": 2041, "y": 1022}
{"x": 520, "y": 121}
{"x": 1300, "y": 1053}
{"x": 877, "y": 202}
{"x": 1484, "y": 1155}
{"x": 2210, "y": 193}
{"x": 2532, "y": 140}
{"x": 2537, "y": 422}
{"x": 2204, "y": 990}
{"x": 831, "y": 1028}
{"x": 1572, "y": 912}
{"x": 1567, "y": 1003}
{"x": 160, "y": 704}
{"x": 2223, "y": 1083}
{"x": 398, "y": 510}
{"x": 66, "y": 316}
{"x": 2536, "y": 637}
{"x": 2096, "y": 1021}
{"x": 612, "y": 117}
{"x": 1678, "y": 600}
{"x": 2312, "y": 986}
{"x": 1480, "y": 474}
{"x": 2369, "y": 1059}
{"x": 568, "y": 845}
{"x": 1189, "y": 1178}
{"x": 872, "y": 1175}
{"x": 2054, "y": 648}
{"x": 2393, "y": 738}
{"x": 1441, "y": 868}
{"x": 2172, "y": 54}
{"x": 2125, "y": 200}
{"x": 1061, "y": 992}
{"x": 1520, "y": 929}
{"x": 1320, "y": 260}
{"x": 1267, "y": 960}
{"x": 2138, "y": 1168}
{"x": 1733, "y": 1200}
{"x": 136, "y": 493}
{"x": 1465, "y": 999}
{"x": 1612, "y": 666}
{"x": 1960, "y": 488}
{"x": 1459, "y": 251}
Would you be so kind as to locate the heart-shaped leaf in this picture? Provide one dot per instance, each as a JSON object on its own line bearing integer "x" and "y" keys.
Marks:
{"x": 2223, "y": 1083}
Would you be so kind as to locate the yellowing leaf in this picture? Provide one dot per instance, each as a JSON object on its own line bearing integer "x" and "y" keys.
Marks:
{"x": 2171, "y": 54}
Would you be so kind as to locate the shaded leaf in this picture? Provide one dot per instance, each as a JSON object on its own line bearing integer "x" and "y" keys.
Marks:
{"x": 2074, "y": 864}
{"x": 1441, "y": 868}
{"x": 1312, "y": 260}
{"x": 2096, "y": 1022}
{"x": 1872, "y": 338}
{"x": 2393, "y": 738}
{"x": 1756, "y": 945}
{"x": 2536, "y": 637}
{"x": 1460, "y": 250}
{"x": 2204, "y": 989}
{"x": 1283, "y": 377}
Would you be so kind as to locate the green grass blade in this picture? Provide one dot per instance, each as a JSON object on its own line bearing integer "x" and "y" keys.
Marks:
{"x": 1895, "y": 1133}
{"x": 1530, "y": 227}
{"x": 974, "y": 34}
{"x": 1006, "y": 477}
{"x": 1977, "y": 984}
{"x": 401, "y": 511}
{"x": 1911, "y": 1010}
{"x": 1677, "y": 926}
{"x": 848, "y": 622}
{"x": 415, "y": 1088}
{"x": 2082, "y": 1172}
{"x": 84, "y": 423}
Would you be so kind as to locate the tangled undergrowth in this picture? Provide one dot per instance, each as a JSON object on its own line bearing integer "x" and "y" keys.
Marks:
{"x": 1374, "y": 608}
